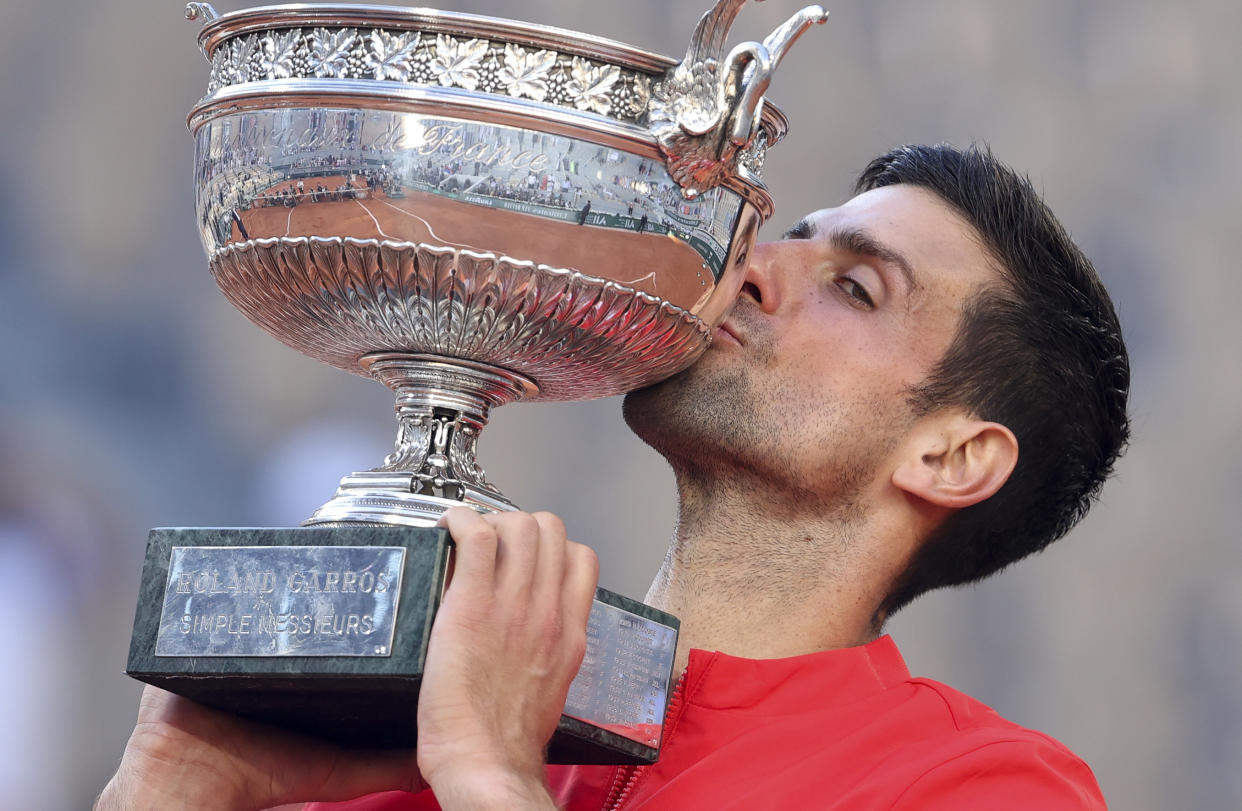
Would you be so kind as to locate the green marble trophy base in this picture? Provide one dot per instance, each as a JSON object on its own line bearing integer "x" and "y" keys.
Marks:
{"x": 324, "y": 630}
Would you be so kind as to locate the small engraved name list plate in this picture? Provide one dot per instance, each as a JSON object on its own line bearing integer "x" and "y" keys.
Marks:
{"x": 623, "y": 683}
{"x": 280, "y": 601}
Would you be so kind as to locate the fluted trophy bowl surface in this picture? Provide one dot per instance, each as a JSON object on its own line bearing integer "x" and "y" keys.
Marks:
{"x": 378, "y": 179}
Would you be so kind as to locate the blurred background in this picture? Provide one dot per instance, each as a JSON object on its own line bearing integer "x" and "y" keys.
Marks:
{"x": 132, "y": 395}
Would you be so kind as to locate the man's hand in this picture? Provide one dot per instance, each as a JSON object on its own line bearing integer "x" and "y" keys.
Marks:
{"x": 183, "y": 755}
{"x": 507, "y": 641}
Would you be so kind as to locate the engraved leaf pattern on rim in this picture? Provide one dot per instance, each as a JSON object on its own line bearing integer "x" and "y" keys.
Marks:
{"x": 241, "y": 54}
{"x": 591, "y": 85}
{"x": 456, "y": 62}
{"x": 525, "y": 73}
{"x": 388, "y": 55}
{"x": 329, "y": 51}
{"x": 217, "y": 79}
{"x": 630, "y": 95}
{"x": 478, "y": 65}
{"x": 279, "y": 53}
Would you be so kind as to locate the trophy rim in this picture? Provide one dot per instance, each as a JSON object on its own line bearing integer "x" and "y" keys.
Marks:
{"x": 257, "y": 18}
{"x": 238, "y": 23}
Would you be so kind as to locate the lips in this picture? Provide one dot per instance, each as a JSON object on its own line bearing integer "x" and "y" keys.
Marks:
{"x": 728, "y": 333}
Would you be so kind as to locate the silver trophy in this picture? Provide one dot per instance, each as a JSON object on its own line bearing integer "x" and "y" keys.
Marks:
{"x": 472, "y": 211}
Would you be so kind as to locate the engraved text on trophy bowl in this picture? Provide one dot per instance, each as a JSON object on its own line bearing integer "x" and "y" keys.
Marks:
{"x": 347, "y": 232}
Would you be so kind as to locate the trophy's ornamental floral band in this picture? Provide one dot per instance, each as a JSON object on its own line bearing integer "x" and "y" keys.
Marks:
{"x": 428, "y": 58}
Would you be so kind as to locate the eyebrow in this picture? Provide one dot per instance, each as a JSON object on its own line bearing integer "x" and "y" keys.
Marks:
{"x": 859, "y": 242}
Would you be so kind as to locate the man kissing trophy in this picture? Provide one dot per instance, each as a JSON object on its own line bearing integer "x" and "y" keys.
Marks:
{"x": 471, "y": 211}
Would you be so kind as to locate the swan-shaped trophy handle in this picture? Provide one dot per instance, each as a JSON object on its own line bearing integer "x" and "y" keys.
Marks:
{"x": 705, "y": 110}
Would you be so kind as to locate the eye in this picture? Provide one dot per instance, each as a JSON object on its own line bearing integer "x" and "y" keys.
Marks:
{"x": 856, "y": 292}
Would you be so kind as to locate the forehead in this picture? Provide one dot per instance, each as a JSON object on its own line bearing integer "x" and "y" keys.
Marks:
{"x": 945, "y": 252}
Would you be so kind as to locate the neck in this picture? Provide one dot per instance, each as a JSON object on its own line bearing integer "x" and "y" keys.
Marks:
{"x": 751, "y": 574}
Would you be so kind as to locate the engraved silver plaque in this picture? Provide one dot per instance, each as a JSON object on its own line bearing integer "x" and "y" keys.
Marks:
{"x": 280, "y": 601}
{"x": 623, "y": 683}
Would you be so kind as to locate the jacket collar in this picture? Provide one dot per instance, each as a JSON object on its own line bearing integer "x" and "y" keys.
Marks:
{"x": 717, "y": 680}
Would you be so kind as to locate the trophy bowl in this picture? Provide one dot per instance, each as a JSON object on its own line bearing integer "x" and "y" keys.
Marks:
{"x": 471, "y": 211}
{"x": 474, "y": 210}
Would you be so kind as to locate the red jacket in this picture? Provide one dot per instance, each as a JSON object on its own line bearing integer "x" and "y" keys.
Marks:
{"x": 845, "y": 729}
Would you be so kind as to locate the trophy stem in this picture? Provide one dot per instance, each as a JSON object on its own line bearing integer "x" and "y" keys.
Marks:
{"x": 442, "y": 405}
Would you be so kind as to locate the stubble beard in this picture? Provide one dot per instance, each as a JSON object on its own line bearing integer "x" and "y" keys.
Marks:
{"x": 705, "y": 419}
{"x": 702, "y": 417}
{"x": 723, "y": 422}
{"x": 772, "y": 471}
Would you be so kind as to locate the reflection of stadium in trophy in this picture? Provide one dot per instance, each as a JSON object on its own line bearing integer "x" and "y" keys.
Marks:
{"x": 390, "y": 176}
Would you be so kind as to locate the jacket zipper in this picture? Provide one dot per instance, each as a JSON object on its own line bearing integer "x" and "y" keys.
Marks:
{"x": 622, "y": 781}
{"x": 625, "y": 777}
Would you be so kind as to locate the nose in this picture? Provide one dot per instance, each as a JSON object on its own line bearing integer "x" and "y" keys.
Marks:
{"x": 761, "y": 282}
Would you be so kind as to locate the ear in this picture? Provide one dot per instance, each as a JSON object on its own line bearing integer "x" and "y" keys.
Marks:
{"x": 957, "y": 460}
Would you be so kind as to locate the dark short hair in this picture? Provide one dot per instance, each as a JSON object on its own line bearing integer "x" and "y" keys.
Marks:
{"x": 1041, "y": 353}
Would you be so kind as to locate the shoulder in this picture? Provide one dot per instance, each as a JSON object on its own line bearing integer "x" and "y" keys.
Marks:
{"x": 1015, "y": 773}
{"x": 970, "y": 757}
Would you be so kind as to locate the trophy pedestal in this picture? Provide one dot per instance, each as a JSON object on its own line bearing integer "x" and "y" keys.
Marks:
{"x": 324, "y": 630}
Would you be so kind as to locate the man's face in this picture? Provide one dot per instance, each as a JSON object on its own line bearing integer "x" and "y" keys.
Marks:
{"x": 805, "y": 383}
